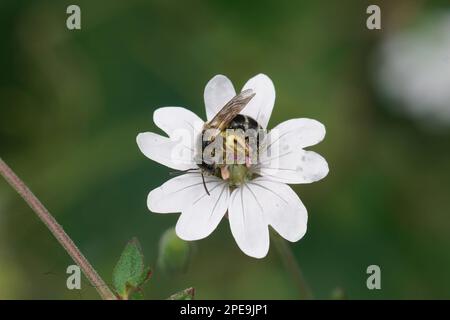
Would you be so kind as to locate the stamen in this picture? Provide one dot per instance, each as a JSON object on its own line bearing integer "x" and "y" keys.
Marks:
{"x": 225, "y": 173}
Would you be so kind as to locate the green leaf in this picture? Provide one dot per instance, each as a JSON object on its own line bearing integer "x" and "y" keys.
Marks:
{"x": 186, "y": 294}
{"x": 136, "y": 295}
{"x": 145, "y": 276}
{"x": 130, "y": 272}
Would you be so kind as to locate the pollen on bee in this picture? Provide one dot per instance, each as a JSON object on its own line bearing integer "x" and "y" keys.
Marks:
{"x": 240, "y": 147}
{"x": 231, "y": 146}
{"x": 235, "y": 148}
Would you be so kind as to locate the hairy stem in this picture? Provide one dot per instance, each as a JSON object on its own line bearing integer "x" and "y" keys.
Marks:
{"x": 285, "y": 252}
{"x": 57, "y": 231}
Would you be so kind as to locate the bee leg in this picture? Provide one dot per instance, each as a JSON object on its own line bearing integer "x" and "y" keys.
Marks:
{"x": 204, "y": 184}
{"x": 179, "y": 172}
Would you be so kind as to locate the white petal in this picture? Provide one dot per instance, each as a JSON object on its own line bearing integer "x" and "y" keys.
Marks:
{"x": 172, "y": 119}
{"x": 300, "y": 133}
{"x": 293, "y": 165}
{"x": 204, "y": 213}
{"x": 171, "y": 153}
{"x": 261, "y": 106}
{"x": 218, "y": 91}
{"x": 201, "y": 213}
{"x": 282, "y": 208}
{"x": 174, "y": 193}
{"x": 248, "y": 224}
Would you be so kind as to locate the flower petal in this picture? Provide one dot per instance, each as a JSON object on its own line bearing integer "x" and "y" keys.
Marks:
{"x": 171, "y": 153}
{"x": 218, "y": 91}
{"x": 300, "y": 133}
{"x": 202, "y": 216}
{"x": 292, "y": 165}
{"x": 174, "y": 193}
{"x": 247, "y": 222}
{"x": 201, "y": 213}
{"x": 173, "y": 119}
{"x": 282, "y": 208}
{"x": 261, "y": 106}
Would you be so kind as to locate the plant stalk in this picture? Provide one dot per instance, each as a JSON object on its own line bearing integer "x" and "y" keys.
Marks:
{"x": 57, "y": 230}
{"x": 286, "y": 254}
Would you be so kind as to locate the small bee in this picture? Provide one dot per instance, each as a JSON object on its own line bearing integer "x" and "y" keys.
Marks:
{"x": 227, "y": 118}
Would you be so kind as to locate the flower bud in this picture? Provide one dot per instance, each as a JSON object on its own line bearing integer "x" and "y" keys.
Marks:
{"x": 174, "y": 254}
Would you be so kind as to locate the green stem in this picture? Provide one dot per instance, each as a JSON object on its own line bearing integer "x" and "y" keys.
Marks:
{"x": 286, "y": 254}
{"x": 56, "y": 229}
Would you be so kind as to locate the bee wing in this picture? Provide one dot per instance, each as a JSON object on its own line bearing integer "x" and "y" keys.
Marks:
{"x": 223, "y": 118}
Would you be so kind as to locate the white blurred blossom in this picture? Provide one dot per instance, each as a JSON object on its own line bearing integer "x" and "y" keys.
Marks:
{"x": 413, "y": 70}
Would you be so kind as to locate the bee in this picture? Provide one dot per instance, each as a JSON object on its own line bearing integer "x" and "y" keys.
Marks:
{"x": 227, "y": 118}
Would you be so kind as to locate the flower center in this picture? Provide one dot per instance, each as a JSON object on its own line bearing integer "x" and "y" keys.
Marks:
{"x": 236, "y": 174}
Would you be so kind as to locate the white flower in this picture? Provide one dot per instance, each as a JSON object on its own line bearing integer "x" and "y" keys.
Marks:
{"x": 253, "y": 206}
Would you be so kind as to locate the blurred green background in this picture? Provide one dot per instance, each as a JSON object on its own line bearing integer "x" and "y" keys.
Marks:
{"x": 72, "y": 103}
